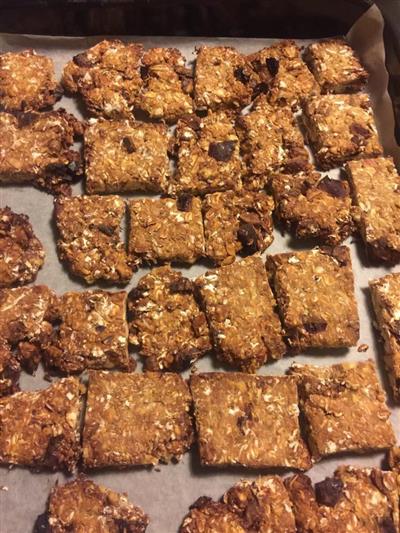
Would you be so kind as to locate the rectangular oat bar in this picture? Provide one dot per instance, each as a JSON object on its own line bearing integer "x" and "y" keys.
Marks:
{"x": 240, "y": 310}
{"x": 248, "y": 420}
{"x": 315, "y": 295}
{"x": 136, "y": 419}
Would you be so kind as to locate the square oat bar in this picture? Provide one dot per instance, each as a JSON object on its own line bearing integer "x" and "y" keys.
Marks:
{"x": 166, "y": 230}
{"x": 167, "y": 85}
{"x": 375, "y": 185}
{"x": 270, "y": 141}
{"x": 340, "y": 127}
{"x": 222, "y": 78}
{"x": 92, "y": 332}
{"x": 136, "y": 419}
{"x": 41, "y": 428}
{"x": 125, "y": 156}
{"x": 107, "y": 76}
{"x": 248, "y": 420}
{"x": 335, "y": 66}
{"x": 385, "y": 294}
{"x": 240, "y": 310}
{"x": 36, "y": 148}
{"x": 341, "y": 403}
{"x": 82, "y": 505}
{"x": 282, "y": 74}
{"x": 362, "y": 500}
{"x": 27, "y": 82}
{"x": 314, "y": 207}
{"x": 315, "y": 294}
{"x": 165, "y": 321}
{"x": 89, "y": 237}
{"x": 236, "y": 223}
{"x": 208, "y": 155}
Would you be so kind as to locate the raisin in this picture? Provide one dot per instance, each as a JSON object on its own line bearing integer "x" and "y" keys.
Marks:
{"x": 247, "y": 235}
{"x": 329, "y": 491}
{"x": 335, "y": 188}
{"x": 272, "y": 65}
{"x": 184, "y": 202}
{"x": 222, "y": 151}
{"x": 241, "y": 76}
{"x": 315, "y": 326}
{"x": 82, "y": 60}
{"x": 128, "y": 145}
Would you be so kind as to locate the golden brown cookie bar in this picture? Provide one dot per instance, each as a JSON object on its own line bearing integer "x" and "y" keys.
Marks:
{"x": 283, "y": 75}
{"x": 166, "y": 230}
{"x": 354, "y": 500}
{"x": 207, "y": 516}
{"x": 107, "y": 76}
{"x": 208, "y": 158}
{"x": 270, "y": 141}
{"x": 314, "y": 207}
{"x": 341, "y": 403}
{"x": 315, "y": 294}
{"x": 27, "y": 81}
{"x": 385, "y": 294}
{"x": 25, "y": 315}
{"x": 89, "y": 237}
{"x": 82, "y": 505}
{"x": 375, "y": 186}
{"x": 92, "y": 332}
{"x": 335, "y": 66}
{"x": 21, "y": 252}
{"x": 222, "y": 78}
{"x": 136, "y": 419}
{"x": 167, "y": 85}
{"x": 240, "y": 309}
{"x": 125, "y": 156}
{"x": 236, "y": 223}
{"x": 41, "y": 428}
{"x": 248, "y": 420}
{"x": 165, "y": 321}
{"x": 36, "y": 148}
{"x": 340, "y": 127}
{"x": 10, "y": 370}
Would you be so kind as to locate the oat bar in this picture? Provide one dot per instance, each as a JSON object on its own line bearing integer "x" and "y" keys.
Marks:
{"x": 315, "y": 294}
{"x": 335, "y": 66}
{"x": 92, "y": 332}
{"x": 271, "y": 141}
{"x": 89, "y": 237}
{"x": 21, "y": 252}
{"x": 167, "y": 85}
{"x": 207, "y": 516}
{"x": 107, "y": 76}
{"x": 375, "y": 186}
{"x": 41, "y": 428}
{"x": 385, "y": 293}
{"x": 240, "y": 309}
{"x": 312, "y": 206}
{"x": 136, "y": 419}
{"x": 27, "y": 81}
{"x": 340, "y": 127}
{"x": 341, "y": 403}
{"x": 248, "y": 420}
{"x": 282, "y": 74}
{"x": 207, "y": 152}
{"x": 222, "y": 78}
{"x": 166, "y": 230}
{"x": 355, "y": 500}
{"x": 10, "y": 370}
{"x": 125, "y": 156}
{"x": 82, "y": 505}
{"x": 36, "y": 148}
{"x": 165, "y": 321}
{"x": 236, "y": 223}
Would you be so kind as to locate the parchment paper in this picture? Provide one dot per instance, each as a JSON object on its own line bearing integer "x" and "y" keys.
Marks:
{"x": 165, "y": 493}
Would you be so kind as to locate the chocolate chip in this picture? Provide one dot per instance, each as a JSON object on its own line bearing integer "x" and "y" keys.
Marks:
{"x": 241, "y": 76}
{"x": 144, "y": 72}
{"x": 260, "y": 88}
{"x": 315, "y": 326}
{"x": 360, "y": 130}
{"x": 247, "y": 236}
{"x": 42, "y": 524}
{"x": 222, "y": 151}
{"x": 387, "y": 525}
{"x": 82, "y": 60}
{"x": 184, "y": 202}
{"x": 137, "y": 293}
{"x": 335, "y": 188}
{"x": 272, "y": 65}
{"x": 107, "y": 230}
{"x": 181, "y": 286}
{"x": 329, "y": 491}
{"x": 203, "y": 501}
{"x": 192, "y": 121}
{"x": 128, "y": 145}
{"x": 99, "y": 328}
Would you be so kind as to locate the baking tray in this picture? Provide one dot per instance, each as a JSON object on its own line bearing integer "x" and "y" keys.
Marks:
{"x": 166, "y": 492}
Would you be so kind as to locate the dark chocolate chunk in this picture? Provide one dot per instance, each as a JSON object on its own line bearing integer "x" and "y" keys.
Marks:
{"x": 144, "y": 72}
{"x": 136, "y": 293}
{"x": 99, "y": 328}
{"x": 335, "y": 188}
{"x": 128, "y": 145}
{"x": 241, "y": 75}
{"x": 329, "y": 491}
{"x": 222, "y": 151}
{"x": 315, "y": 326}
{"x": 107, "y": 230}
{"x": 260, "y": 88}
{"x": 387, "y": 525}
{"x": 41, "y": 524}
{"x": 360, "y": 130}
{"x": 184, "y": 202}
{"x": 82, "y": 60}
{"x": 182, "y": 286}
{"x": 272, "y": 65}
{"x": 247, "y": 235}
